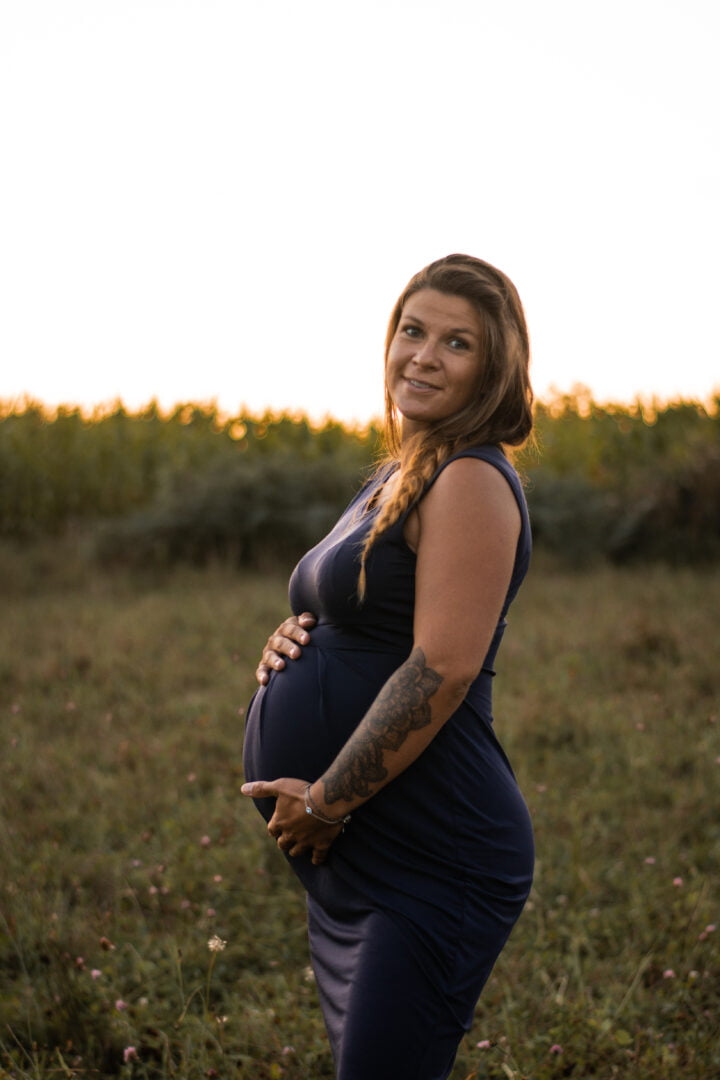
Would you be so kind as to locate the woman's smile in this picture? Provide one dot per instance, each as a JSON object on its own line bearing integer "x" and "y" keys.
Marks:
{"x": 420, "y": 385}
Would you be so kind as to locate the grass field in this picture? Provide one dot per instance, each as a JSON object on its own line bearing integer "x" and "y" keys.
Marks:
{"x": 125, "y": 846}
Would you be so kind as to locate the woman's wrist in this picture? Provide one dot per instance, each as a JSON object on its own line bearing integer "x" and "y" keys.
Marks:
{"x": 311, "y": 807}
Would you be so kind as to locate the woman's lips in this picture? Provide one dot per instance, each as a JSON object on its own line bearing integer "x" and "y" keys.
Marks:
{"x": 419, "y": 384}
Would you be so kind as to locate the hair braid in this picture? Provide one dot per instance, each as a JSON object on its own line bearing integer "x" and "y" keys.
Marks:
{"x": 500, "y": 412}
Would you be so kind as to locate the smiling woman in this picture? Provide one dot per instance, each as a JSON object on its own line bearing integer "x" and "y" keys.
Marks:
{"x": 369, "y": 746}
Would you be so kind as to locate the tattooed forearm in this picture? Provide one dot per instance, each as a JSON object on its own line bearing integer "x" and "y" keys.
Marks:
{"x": 402, "y": 706}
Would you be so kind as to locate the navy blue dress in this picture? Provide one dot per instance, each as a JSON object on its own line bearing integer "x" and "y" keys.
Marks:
{"x": 421, "y": 890}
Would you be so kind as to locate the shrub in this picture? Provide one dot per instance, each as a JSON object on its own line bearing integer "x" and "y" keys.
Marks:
{"x": 676, "y": 518}
{"x": 272, "y": 508}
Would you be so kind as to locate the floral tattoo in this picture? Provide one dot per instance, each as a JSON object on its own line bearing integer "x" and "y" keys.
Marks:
{"x": 402, "y": 706}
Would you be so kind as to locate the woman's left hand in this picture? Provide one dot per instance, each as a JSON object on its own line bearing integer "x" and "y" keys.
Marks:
{"x": 291, "y": 826}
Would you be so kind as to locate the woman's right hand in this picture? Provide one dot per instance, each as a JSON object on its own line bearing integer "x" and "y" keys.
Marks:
{"x": 286, "y": 641}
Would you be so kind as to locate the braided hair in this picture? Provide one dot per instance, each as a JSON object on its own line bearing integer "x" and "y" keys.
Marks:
{"x": 500, "y": 410}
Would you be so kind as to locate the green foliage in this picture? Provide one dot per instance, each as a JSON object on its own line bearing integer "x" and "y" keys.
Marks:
{"x": 625, "y": 483}
{"x": 125, "y": 845}
{"x": 273, "y": 507}
{"x": 65, "y": 469}
{"x": 621, "y": 483}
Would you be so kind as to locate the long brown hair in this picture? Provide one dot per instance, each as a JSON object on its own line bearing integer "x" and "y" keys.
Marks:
{"x": 500, "y": 411}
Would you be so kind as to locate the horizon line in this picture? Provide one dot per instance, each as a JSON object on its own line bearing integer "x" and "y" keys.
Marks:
{"x": 578, "y": 395}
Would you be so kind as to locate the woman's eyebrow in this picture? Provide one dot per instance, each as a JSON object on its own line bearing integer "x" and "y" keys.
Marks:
{"x": 452, "y": 330}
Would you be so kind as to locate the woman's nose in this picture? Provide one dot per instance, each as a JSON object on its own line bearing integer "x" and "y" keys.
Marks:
{"x": 426, "y": 353}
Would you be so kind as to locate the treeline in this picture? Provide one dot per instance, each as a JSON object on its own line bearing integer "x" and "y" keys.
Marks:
{"x": 626, "y": 482}
{"x": 611, "y": 481}
{"x": 191, "y": 484}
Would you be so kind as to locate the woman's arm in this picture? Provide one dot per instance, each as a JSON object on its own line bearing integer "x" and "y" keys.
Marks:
{"x": 465, "y": 531}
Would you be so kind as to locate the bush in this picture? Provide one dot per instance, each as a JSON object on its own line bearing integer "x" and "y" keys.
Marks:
{"x": 251, "y": 512}
{"x": 676, "y": 518}
{"x": 569, "y": 516}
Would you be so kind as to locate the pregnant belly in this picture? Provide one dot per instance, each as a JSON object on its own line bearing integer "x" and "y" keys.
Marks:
{"x": 297, "y": 723}
{"x": 451, "y": 823}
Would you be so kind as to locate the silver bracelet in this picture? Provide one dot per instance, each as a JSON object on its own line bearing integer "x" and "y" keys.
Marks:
{"x": 311, "y": 808}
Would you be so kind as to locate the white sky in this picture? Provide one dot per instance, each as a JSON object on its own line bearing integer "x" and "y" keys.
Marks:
{"x": 221, "y": 199}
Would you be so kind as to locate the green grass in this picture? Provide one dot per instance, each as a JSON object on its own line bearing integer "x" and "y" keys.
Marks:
{"x": 125, "y": 845}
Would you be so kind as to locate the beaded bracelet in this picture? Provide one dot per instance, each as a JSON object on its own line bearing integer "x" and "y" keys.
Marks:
{"x": 311, "y": 808}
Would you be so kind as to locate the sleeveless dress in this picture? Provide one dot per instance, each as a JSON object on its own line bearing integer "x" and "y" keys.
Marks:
{"x": 420, "y": 892}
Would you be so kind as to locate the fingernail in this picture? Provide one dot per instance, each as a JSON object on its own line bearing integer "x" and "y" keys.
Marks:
{"x": 246, "y": 789}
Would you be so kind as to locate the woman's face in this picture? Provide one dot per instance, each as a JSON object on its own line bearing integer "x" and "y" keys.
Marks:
{"x": 434, "y": 358}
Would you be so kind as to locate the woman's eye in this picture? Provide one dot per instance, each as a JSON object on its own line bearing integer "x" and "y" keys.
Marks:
{"x": 411, "y": 331}
{"x": 458, "y": 343}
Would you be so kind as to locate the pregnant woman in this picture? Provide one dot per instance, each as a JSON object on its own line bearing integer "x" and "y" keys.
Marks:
{"x": 369, "y": 747}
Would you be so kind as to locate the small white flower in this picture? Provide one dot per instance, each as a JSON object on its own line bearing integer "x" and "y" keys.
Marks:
{"x": 216, "y": 944}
